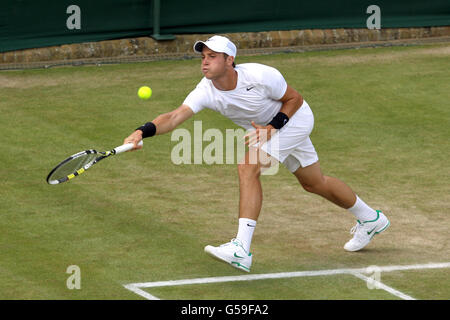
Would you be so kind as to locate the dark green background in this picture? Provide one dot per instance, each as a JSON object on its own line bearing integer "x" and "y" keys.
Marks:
{"x": 28, "y": 23}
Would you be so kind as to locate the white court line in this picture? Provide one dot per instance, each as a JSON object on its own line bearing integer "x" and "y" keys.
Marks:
{"x": 381, "y": 285}
{"x": 135, "y": 287}
{"x": 140, "y": 292}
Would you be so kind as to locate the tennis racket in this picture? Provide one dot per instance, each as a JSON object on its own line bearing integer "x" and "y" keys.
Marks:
{"x": 78, "y": 163}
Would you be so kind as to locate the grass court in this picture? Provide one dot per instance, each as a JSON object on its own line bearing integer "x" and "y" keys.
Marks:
{"x": 381, "y": 125}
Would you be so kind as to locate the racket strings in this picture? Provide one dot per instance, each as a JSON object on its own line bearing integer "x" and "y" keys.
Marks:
{"x": 72, "y": 166}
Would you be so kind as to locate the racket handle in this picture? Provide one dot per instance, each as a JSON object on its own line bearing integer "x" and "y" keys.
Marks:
{"x": 126, "y": 147}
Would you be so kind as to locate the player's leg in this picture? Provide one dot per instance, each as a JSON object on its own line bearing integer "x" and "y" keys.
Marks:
{"x": 369, "y": 221}
{"x": 237, "y": 251}
{"x": 333, "y": 189}
{"x": 250, "y": 191}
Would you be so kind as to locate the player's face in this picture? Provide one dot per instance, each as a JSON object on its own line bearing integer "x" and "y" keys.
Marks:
{"x": 213, "y": 64}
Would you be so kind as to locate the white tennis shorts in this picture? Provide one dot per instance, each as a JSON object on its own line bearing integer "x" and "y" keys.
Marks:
{"x": 291, "y": 144}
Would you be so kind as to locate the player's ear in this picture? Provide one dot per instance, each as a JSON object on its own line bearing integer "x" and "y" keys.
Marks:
{"x": 229, "y": 60}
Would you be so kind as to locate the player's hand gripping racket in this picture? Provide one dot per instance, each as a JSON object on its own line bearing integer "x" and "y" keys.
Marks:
{"x": 78, "y": 163}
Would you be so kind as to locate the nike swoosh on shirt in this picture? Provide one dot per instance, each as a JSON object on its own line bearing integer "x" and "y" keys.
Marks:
{"x": 249, "y": 225}
{"x": 248, "y": 89}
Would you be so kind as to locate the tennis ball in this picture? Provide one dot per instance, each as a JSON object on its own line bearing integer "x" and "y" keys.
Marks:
{"x": 144, "y": 92}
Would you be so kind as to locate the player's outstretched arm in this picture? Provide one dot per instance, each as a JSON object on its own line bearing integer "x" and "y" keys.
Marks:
{"x": 163, "y": 123}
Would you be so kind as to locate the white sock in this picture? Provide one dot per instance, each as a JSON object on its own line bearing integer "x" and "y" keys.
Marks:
{"x": 245, "y": 232}
{"x": 362, "y": 211}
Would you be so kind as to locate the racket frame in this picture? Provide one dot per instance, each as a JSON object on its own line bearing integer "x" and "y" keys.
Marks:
{"x": 102, "y": 155}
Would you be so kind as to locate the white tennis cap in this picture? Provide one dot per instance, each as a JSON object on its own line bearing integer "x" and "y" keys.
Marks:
{"x": 218, "y": 44}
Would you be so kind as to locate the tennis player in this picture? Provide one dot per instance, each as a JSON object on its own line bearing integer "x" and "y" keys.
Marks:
{"x": 257, "y": 97}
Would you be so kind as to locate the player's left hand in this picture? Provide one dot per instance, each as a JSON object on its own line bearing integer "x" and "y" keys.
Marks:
{"x": 261, "y": 135}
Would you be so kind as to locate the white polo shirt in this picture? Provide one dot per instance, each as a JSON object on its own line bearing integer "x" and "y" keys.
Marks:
{"x": 255, "y": 98}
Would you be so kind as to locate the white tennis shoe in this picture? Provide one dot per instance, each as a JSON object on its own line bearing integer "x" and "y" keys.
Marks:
{"x": 233, "y": 253}
{"x": 363, "y": 232}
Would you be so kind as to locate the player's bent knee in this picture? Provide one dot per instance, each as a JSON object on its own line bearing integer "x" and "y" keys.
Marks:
{"x": 318, "y": 188}
{"x": 308, "y": 187}
{"x": 248, "y": 170}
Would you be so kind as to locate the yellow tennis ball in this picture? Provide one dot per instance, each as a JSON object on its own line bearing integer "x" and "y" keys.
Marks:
{"x": 144, "y": 92}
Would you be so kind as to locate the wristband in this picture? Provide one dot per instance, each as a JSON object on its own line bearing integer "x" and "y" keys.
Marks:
{"x": 279, "y": 120}
{"x": 148, "y": 130}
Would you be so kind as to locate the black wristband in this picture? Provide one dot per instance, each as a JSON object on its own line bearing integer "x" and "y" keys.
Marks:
{"x": 279, "y": 120}
{"x": 148, "y": 130}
